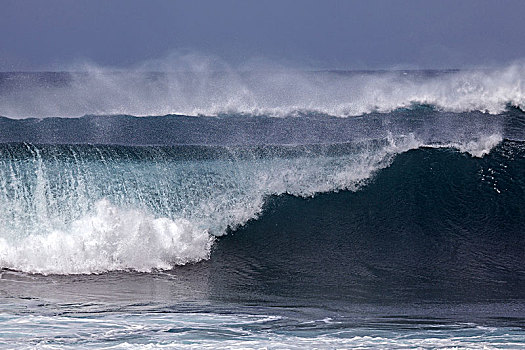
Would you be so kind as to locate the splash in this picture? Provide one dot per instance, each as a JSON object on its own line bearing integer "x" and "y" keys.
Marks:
{"x": 109, "y": 239}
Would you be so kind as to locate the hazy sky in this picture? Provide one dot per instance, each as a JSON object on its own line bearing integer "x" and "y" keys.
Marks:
{"x": 323, "y": 34}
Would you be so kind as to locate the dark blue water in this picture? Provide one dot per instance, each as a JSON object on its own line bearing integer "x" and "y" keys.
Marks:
{"x": 393, "y": 228}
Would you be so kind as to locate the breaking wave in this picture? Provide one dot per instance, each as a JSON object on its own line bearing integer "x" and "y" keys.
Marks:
{"x": 92, "y": 209}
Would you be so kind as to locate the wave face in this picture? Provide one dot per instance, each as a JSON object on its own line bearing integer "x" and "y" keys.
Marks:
{"x": 436, "y": 224}
{"x": 205, "y": 89}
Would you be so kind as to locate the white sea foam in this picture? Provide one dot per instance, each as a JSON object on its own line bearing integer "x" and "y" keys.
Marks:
{"x": 235, "y": 331}
{"x": 199, "y": 85}
{"x": 110, "y": 239}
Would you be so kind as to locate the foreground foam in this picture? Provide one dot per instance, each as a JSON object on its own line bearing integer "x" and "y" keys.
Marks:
{"x": 110, "y": 239}
{"x": 219, "y": 331}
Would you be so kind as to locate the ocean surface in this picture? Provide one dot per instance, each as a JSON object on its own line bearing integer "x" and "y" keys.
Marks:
{"x": 275, "y": 209}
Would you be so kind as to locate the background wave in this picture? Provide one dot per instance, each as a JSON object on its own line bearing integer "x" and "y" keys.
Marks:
{"x": 198, "y": 87}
